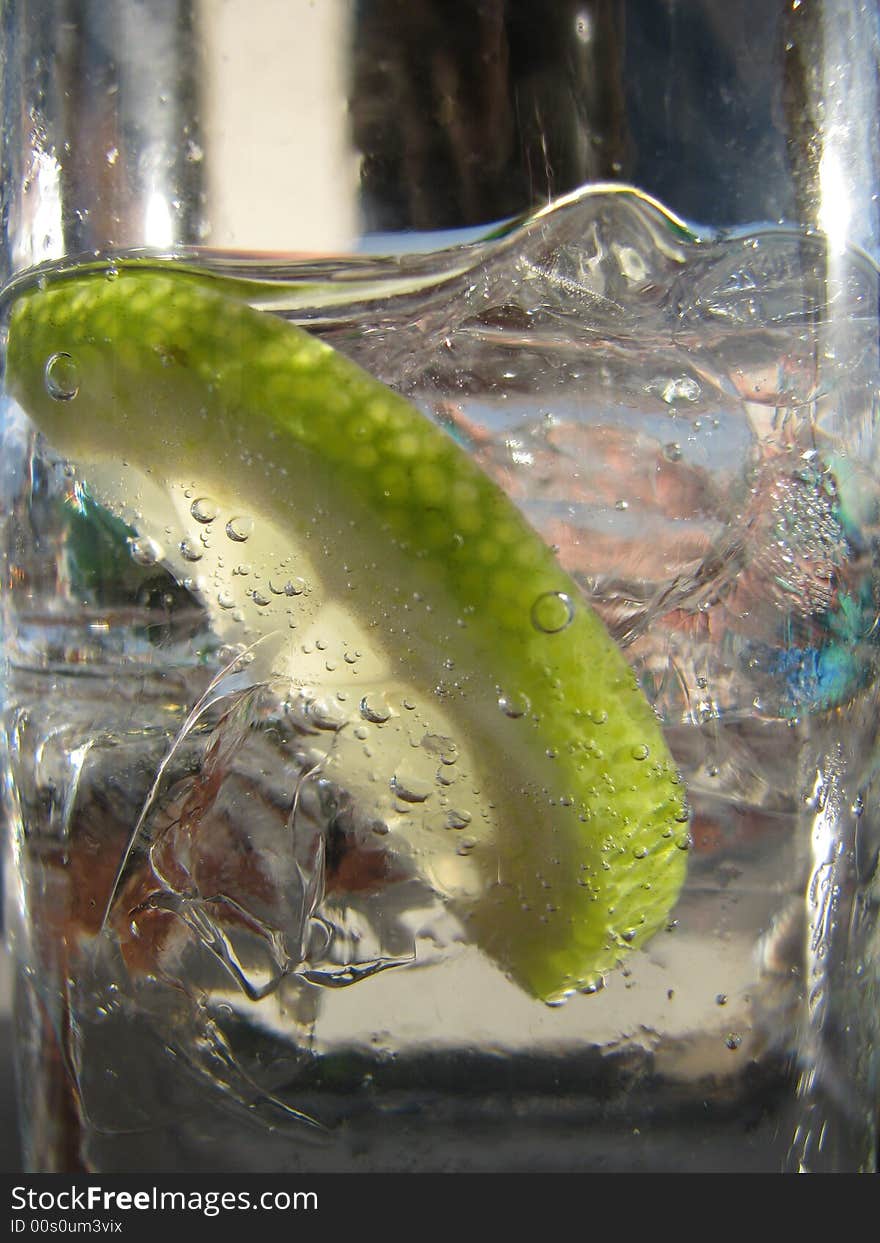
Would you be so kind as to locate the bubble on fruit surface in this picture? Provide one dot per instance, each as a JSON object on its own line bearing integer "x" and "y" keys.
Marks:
{"x": 374, "y": 708}
{"x": 190, "y": 551}
{"x": 61, "y": 376}
{"x": 441, "y": 746}
{"x": 552, "y": 611}
{"x": 325, "y": 714}
{"x": 411, "y": 788}
{"x": 240, "y": 528}
{"x": 513, "y": 704}
{"x": 287, "y": 586}
{"x": 145, "y": 551}
{"x": 204, "y": 509}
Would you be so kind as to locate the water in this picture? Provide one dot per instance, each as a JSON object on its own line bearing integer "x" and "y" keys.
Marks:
{"x": 237, "y": 955}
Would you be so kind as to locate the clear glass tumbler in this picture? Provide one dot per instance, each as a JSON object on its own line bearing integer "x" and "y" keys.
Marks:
{"x": 469, "y": 765}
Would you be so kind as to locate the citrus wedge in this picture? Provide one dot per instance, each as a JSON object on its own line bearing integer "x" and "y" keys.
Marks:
{"x": 483, "y": 709}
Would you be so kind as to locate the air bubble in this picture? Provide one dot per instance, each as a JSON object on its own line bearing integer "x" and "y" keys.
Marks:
{"x": 203, "y": 509}
{"x": 457, "y": 819}
{"x": 260, "y": 599}
{"x": 190, "y": 551}
{"x": 239, "y": 528}
{"x": 225, "y": 600}
{"x": 324, "y": 714}
{"x": 62, "y": 377}
{"x": 640, "y": 752}
{"x": 441, "y": 746}
{"x": 410, "y": 788}
{"x": 733, "y": 1040}
{"x": 680, "y": 388}
{"x": 552, "y": 612}
{"x": 513, "y": 705}
{"x": 672, "y": 451}
{"x": 145, "y": 551}
{"x": 289, "y": 587}
{"x": 375, "y": 709}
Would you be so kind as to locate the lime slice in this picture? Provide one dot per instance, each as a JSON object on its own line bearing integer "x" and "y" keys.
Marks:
{"x": 482, "y": 708}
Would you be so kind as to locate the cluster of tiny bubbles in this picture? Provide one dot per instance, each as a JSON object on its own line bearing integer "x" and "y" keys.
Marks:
{"x": 552, "y": 611}
{"x": 239, "y": 528}
{"x": 61, "y": 376}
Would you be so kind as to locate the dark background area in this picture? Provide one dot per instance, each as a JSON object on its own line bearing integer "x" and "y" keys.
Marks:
{"x": 471, "y": 112}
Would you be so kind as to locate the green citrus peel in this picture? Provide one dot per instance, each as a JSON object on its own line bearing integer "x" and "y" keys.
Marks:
{"x": 381, "y": 566}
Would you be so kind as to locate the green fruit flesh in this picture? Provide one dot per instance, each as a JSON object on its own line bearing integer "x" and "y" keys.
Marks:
{"x": 420, "y": 570}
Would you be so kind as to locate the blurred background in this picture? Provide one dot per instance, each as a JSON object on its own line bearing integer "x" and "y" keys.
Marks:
{"x": 324, "y": 125}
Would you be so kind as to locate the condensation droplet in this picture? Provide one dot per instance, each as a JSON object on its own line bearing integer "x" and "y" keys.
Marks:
{"x": 62, "y": 377}
{"x": 552, "y": 612}
{"x": 239, "y": 528}
{"x": 203, "y": 509}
